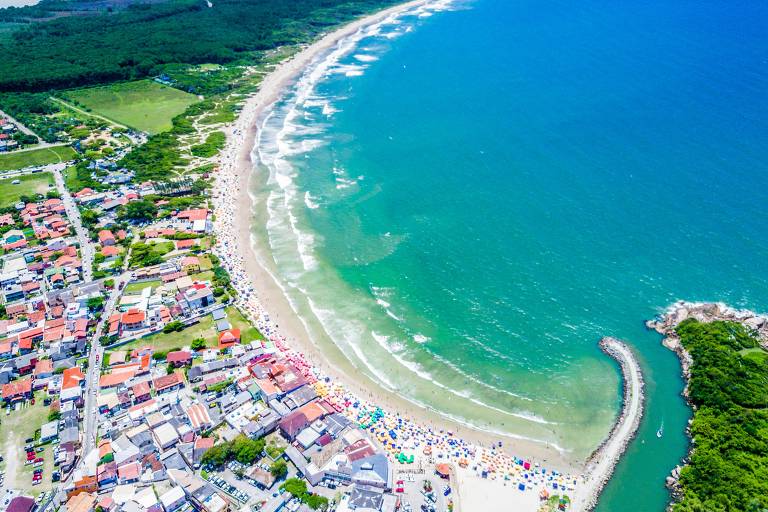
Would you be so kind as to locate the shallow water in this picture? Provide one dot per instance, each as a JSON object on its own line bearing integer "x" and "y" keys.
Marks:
{"x": 465, "y": 201}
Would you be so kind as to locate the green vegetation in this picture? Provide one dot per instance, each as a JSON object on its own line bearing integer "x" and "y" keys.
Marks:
{"x": 34, "y": 110}
{"x": 167, "y": 341}
{"x": 144, "y": 104}
{"x": 146, "y": 255}
{"x": 30, "y": 184}
{"x": 728, "y": 386}
{"x": 78, "y": 177}
{"x": 298, "y": 488}
{"x": 156, "y": 159}
{"x": 214, "y": 143}
{"x": 279, "y": 469}
{"x": 248, "y": 332}
{"x": 219, "y": 386}
{"x": 136, "y": 288}
{"x": 42, "y": 156}
{"x": 138, "y": 211}
{"x": 198, "y": 344}
{"x": 242, "y": 449}
{"x": 70, "y": 51}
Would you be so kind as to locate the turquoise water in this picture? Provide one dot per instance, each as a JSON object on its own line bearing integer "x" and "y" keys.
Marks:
{"x": 462, "y": 204}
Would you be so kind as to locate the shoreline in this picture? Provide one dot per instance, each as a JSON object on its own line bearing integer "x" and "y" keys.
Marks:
{"x": 262, "y": 298}
{"x": 271, "y": 295}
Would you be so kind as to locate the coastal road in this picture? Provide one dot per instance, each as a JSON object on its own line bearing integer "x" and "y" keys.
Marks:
{"x": 600, "y": 467}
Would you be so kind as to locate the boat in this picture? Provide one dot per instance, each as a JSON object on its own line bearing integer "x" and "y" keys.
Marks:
{"x": 660, "y": 432}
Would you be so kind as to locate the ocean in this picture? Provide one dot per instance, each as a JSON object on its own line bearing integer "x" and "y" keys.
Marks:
{"x": 463, "y": 200}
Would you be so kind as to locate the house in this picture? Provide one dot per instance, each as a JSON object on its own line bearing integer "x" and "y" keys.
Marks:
{"x": 106, "y": 238}
{"x": 72, "y": 377}
{"x": 133, "y": 319}
{"x": 290, "y": 426}
{"x": 198, "y": 296}
{"x": 141, "y": 392}
{"x": 190, "y": 264}
{"x": 179, "y": 358}
{"x": 173, "y": 499}
{"x": 83, "y": 502}
{"x": 228, "y": 339}
{"x": 199, "y": 417}
{"x": 21, "y": 504}
{"x": 129, "y": 473}
{"x": 168, "y": 383}
{"x": 17, "y": 390}
{"x": 86, "y": 484}
{"x": 183, "y": 245}
{"x": 165, "y": 436}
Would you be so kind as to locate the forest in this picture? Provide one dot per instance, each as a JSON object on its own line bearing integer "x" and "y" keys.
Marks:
{"x": 728, "y": 388}
{"x": 64, "y": 50}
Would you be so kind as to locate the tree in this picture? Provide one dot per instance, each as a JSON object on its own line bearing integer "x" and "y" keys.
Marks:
{"x": 295, "y": 486}
{"x": 173, "y": 326}
{"x": 95, "y": 303}
{"x": 139, "y": 211}
{"x": 198, "y": 344}
{"x": 279, "y": 469}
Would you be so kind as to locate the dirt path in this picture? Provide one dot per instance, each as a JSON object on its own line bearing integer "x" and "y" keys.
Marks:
{"x": 86, "y": 113}
{"x": 11, "y": 462}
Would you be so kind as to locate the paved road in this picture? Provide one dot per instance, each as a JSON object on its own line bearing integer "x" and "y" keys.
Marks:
{"x": 86, "y": 247}
{"x": 20, "y": 126}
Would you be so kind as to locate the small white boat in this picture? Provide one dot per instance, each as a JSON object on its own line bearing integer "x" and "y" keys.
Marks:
{"x": 660, "y": 432}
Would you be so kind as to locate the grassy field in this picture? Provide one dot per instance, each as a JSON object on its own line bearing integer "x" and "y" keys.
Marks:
{"x": 135, "y": 288}
{"x": 144, "y": 105}
{"x": 14, "y": 429}
{"x": 205, "y": 329}
{"x": 30, "y": 184}
{"x": 44, "y": 156}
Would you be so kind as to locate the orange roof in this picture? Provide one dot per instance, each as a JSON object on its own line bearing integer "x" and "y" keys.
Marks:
{"x": 17, "y": 387}
{"x": 140, "y": 389}
{"x": 106, "y": 235}
{"x": 113, "y": 379}
{"x": 313, "y": 411}
{"x": 110, "y": 250}
{"x": 193, "y": 214}
{"x": 229, "y": 337}
{"x": 72, "y": 377}
{"x": 44, "y": 366}
{"x": 133, "y": 316}
{"x": 105, "y": 447}
{"x": 167, "y": 381}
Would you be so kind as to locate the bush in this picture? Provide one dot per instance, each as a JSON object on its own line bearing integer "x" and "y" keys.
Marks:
{"x": 279, "y": 469}
{"x": 174, "y": 326}
{"x": 198, "y": 344}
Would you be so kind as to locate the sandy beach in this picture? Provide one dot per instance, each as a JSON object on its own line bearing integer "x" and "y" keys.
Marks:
{"x": 520, "y": 463}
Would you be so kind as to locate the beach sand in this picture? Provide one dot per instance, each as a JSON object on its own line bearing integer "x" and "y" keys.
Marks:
{"x": 234, "y": 217}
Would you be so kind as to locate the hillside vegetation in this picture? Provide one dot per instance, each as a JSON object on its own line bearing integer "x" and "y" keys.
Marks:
{"x": 728, "y": 469}
{"x": 54, "y": 52}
